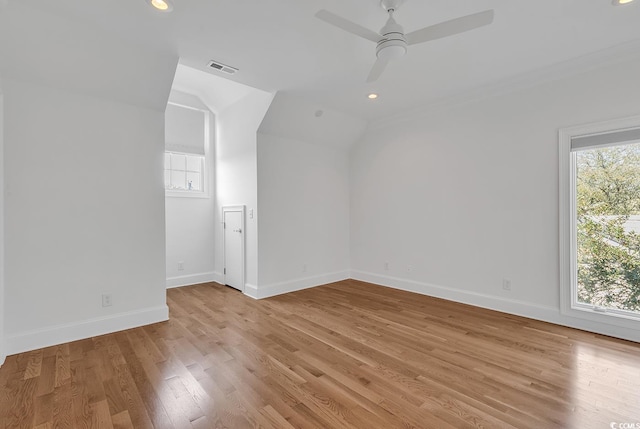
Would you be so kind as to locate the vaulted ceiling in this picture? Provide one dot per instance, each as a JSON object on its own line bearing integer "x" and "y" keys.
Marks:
{"x": 278, "y": 45}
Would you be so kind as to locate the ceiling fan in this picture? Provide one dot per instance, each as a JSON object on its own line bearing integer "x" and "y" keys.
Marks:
{"x": 392, "y": 42}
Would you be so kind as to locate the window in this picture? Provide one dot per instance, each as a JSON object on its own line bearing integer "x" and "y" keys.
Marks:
{"x": 600, "y": 221}
{"x": 183, "y": 172}
{"x": 187, "y": 135}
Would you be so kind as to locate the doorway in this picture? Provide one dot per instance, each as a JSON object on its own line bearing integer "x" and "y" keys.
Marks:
{"x": 233, "y": 243}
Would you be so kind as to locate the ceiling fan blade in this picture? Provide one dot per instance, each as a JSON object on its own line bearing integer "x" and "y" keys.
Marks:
{"x": 451, "y": 27}
{"x": 348, "y": 26}
{"x": 377, "y": 69}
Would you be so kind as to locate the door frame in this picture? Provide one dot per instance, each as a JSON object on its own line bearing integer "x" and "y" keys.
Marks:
{"x": 225, "y": 210}
{"x": 3, "y": 350}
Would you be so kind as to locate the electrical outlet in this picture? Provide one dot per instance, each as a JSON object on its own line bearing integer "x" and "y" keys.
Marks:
{"x": 409, "y": 268}
{"x": 180, "y": 266}
{"x": 106, "y": 300}
{"x": 386, "y": 266}
{"x": 506, "y": 284}
{"x": 304, "y": 268}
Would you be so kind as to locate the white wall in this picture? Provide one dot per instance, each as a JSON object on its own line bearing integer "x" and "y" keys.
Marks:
{"x": 236, "y": 174}
{"x": 190, "y": 222}
{"x": 303, "y": 200}
{"x": 84, "y": 215}
{"x": 303, "y": 195}
{"x": 84, "y": 195}
{"x": 458, "y": 200}
{"x": 190, "y": 240}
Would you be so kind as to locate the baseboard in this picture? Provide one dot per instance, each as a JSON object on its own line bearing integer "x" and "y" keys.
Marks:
{"x": 191, "y": 279}
{"x": 274, "y": 289}
{"x": 218, "y": 277}
{"x": 251, "y": 290}
{"x": 505, "y": 305}
{"x": 36, "y": 339}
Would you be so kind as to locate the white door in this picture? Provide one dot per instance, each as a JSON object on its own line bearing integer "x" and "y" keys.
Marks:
{"x": 233, "y": 219}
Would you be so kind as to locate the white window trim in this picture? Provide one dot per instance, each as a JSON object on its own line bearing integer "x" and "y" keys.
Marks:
{"x": 208, "y": 162}
{"x": 191, "y": 193}
{"x": 567, "y": 227}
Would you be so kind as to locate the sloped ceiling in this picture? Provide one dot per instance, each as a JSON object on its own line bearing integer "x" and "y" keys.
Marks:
{"x": 216, "y": 92}
{"x": 297, "y": 119}
{"x": 63, "y": 52}
{"x": 279, "y": 45}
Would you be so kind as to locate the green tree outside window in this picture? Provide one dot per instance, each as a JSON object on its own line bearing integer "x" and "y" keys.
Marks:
{"x": 608, "y": 209}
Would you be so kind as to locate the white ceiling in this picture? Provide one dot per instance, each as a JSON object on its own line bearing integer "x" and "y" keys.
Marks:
{"x": 214, "y": 91}
{"x": 279, "y": 45}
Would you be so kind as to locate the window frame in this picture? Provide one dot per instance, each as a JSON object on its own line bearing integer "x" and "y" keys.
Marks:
{"x": 207, "y": 164}
{"x": 569, "y": 305}
{"x": 202, "y": 172}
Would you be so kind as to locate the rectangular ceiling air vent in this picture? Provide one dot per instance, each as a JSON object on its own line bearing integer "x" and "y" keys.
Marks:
{"x": 222, "y": 67}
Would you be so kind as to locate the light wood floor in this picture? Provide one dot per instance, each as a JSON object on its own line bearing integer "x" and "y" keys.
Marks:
{"x": 345, "y": 355}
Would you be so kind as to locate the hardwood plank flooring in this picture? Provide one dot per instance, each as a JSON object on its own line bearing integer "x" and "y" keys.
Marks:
{"x": 344, "y": 355}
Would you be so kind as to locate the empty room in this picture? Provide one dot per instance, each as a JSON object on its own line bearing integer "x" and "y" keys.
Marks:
{"x": 320, "y": 214}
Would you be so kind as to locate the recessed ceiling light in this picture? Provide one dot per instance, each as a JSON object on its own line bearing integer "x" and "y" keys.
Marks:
{"x": 372, "y": 96}
{"x": 620, "y": 2}
{"x": 161, "y": 5}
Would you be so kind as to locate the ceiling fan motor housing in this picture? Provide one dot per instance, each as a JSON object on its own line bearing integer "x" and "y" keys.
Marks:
{"x": 393, "y": 44}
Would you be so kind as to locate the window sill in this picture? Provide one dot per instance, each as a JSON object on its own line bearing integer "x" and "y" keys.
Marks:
{"x": 185, "y": 194}
{"x": 602, "y": 317}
